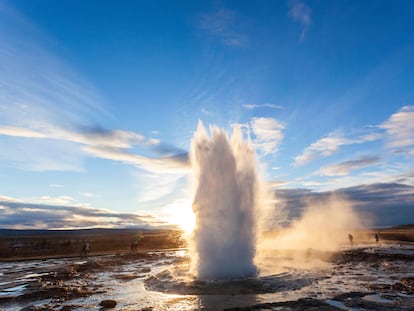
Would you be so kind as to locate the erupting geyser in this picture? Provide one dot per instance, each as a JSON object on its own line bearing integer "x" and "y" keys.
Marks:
{"x": 224, "y": 204}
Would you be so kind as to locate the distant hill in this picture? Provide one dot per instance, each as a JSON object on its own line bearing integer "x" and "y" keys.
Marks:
{"x": 408, "y": 226}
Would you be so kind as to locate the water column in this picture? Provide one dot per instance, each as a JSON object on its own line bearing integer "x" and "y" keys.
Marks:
{"x": 224, "y": 204}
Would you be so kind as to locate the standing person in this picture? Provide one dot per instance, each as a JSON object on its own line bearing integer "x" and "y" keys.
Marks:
{"x": 137, "y": 239}
{"x": 376, "y": 238}
{"x": 351, "y": 239}
{"x": 85, "y": 249}
{"x": 132, "y": 246}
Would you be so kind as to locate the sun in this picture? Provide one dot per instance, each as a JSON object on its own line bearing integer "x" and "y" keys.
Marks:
{"x": 180, "y": 213}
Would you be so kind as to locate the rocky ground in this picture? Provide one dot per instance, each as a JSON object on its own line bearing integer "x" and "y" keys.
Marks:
{"x": 364, "y": 278}
{"x": 386, "y": 282}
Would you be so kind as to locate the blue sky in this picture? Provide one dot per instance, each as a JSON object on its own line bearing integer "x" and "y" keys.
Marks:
{"x": 99, "y": 101}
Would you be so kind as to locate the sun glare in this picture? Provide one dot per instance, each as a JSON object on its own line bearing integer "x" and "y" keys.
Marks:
{"x": 181, "y": 214}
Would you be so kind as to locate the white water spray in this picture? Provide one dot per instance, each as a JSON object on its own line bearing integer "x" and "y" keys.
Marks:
{"x": 224, "y": 204}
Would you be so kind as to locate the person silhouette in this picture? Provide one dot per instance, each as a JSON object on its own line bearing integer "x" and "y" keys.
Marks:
{"x": 351, "y": 239}
{"x": 376, "y": 238}
{"x": 85, "y": 249}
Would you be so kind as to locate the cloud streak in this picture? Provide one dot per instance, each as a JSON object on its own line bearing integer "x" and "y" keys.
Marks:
{"x": 224, "y": 26}
{"x": 56, "y": 186}
{"x": 90, "y": 136}
{"x": 205, "y": 112}
{"x": 45, "y": 107}
{"x": 175, "y": 163}
{"x": 344, "y": 168}
{"x": 257, "y": 106}
{"x": 330, "y": 145}
{"x": 62, "y": 213}
{"x": 397, "y": 131}
{"x": 36, "y": 85}
{"x": 323, "y": 147}
{"x": 400, "y": 130}
{"x": 110, "y": 144}
{"x": 40, "y": 96}
{"x": 301, "y": 13}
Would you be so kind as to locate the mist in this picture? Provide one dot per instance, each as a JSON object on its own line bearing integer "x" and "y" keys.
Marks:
{"x": 323, "y": 227}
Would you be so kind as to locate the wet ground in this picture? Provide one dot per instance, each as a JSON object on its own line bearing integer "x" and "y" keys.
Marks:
{"x": 364, "y": 278}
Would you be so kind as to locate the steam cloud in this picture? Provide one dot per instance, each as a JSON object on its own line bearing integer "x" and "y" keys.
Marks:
{"x": 322, "y": 227}
{"x": 224, "y": 204}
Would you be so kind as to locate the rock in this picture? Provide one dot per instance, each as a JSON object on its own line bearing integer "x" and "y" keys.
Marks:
{"x": 126, "y": 277}
{"x": 108, "y": 303}
{"x": 409, "y": 282}
{"x": 405, "y": 285}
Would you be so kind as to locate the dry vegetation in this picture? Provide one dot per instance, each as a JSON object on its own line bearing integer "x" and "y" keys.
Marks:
{"x": 404, "y": 233}
{"x": 47, "y": 244}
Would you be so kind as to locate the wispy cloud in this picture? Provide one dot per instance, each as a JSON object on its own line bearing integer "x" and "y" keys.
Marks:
{"x": 56, "y": 186}
{"x": 160, "y": 189}
{"x": 344, "y": 168}
{"x": 41, "y": 154}
{"x": 37, "y": 85}
{"x": 62, "y": 212}
{"x": 384, "y": 172}
{"x": 256, "y": 106}
{"x": 268, "y": 134}
{"x": 46, "y": 109}
{"x": 400, "y": 130}
{"x": 87, "y": 136}
{"x": 170, "y": 163}
{"x": 205, "y": 112}
{"x": 301, "y": 13}
{"x": 330, "y": 145}
{"x": 224, "y": 25}
{"x": 323, "y": 147}
{"x": 108, "y": 144}
{"x": 60, "y": 200}
{"x": 40, "y": 91}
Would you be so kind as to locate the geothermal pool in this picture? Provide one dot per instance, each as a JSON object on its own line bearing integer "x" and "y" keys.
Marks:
{"x": 367, "y": 277}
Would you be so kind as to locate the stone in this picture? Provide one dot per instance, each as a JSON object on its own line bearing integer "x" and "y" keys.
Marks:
{"x": 108, "y": 303}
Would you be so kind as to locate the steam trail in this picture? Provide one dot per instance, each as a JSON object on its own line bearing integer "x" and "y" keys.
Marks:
{"x": 224, "y": 204}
